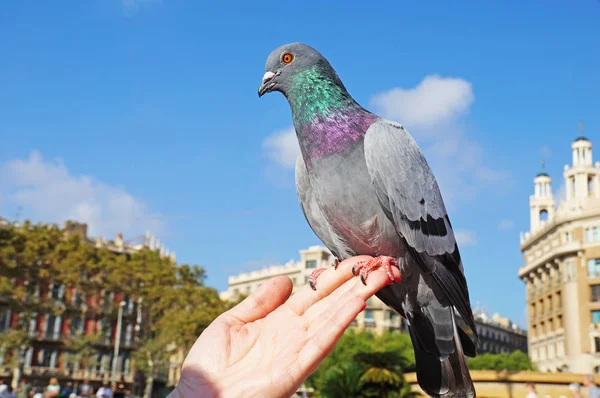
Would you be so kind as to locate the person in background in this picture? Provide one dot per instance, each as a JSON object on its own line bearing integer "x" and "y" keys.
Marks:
{"x": 104, "y": 391}
{"x": 593, "y": 390}
{"x": 9, "y": 393}
{"x": 37, "y": 392}
{"x": 575, "y": 390}
{"x": 23, "y": 389}
{"x": 85, "y": 389}
{"x": 53, "y": 388}
{"x": 530, "y": 387}
{"x": 67, "y": 391}
{"x": 121, "y": 389}
{"x": 3, "y": 388}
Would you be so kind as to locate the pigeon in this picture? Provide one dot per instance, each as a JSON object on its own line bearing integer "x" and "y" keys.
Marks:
{"x": 365, "y": 188}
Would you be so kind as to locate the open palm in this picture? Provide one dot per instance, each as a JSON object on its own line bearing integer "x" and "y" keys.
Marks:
{"x": 267, "y": 345}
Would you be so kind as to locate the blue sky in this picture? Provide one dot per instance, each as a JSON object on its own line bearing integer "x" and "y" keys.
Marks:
{"x": 121, "y": 111}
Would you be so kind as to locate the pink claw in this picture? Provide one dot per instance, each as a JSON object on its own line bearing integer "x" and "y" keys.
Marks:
{"x": 365, "y": 267}
{"x": 336, "y": 262}
{"x": 312, "y": 279}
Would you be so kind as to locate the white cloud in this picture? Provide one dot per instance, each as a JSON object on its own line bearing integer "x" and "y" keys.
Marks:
{"x": 505, "y": 225}
{"x": 48, "y": 192}
{"x": 435, "y": 100}
{"x": 282, "y": 147}
{"x": 432, "y": 112}
{"x": 465, "y": 238}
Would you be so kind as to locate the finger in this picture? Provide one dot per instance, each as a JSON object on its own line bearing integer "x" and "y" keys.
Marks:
{"x": 267, "y": 298}
{"x": 322, "y": 343}
{"x": 321, "y": 313}
{"x": 328, "y": 282}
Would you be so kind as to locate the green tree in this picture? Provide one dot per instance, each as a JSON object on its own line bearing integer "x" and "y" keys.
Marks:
{"x": 515, "y": 361}
{"x": 382, "y": 359}
{"x": 81, "y": 350}
{"x": 342, "y": 381}
{"x": 176, "y": 304}
{"x": 383, "y": 372}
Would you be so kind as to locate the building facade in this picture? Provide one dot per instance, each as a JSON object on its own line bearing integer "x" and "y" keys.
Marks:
{"x": 497, "y": 334}
{"x": 561, "y": 268}
{"x": 83, "y": 314}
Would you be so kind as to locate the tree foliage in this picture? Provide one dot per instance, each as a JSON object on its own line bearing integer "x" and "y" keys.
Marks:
{"x": 176, "y": 304}
{"x": 366, "y": 365}
{"x": 515, "y": 361}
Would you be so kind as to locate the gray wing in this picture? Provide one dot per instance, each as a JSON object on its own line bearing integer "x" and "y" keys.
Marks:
{"x": 409, "y": 195}
{"x": 312, "y": 211}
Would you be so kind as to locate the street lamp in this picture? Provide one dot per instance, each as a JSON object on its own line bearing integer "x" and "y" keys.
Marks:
{"x": 117, "y": 341}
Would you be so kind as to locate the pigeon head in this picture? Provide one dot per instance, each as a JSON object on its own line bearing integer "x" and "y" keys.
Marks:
{"x": 287, "y": 64}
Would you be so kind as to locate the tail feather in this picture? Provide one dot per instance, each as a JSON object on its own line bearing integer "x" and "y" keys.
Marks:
{"x": 439, "y": 375}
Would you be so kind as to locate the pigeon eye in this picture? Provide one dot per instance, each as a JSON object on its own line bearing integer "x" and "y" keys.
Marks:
{"x": 286, "y": 58}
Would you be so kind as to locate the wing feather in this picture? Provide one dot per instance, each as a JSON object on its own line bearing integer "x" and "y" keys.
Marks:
{"x": 409, "y": 195}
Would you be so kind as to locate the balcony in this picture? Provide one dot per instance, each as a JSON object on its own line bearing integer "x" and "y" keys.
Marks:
{"x": 74, "y": 374}
{"x": 571, "y": 247}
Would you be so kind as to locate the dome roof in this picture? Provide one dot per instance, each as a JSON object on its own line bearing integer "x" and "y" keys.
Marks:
{"x": 581, "y": 138}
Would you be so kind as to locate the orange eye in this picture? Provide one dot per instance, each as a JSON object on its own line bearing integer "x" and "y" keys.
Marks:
{"x": 287, "y": 58}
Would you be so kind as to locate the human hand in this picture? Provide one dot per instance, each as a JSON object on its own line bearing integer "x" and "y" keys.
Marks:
{"x": 267, "y": 345}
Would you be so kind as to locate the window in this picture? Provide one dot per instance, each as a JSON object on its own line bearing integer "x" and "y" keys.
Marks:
{"x": 393, "y": 316}
{"x": 595, "y": 292}
{"x": 51, "y": 320}
{"x": 55, "y": 291}
{"x": 76, "y": 325}
{"x": 544, "y": 215}
{"x": 568, "y": 237}
{"x": 591, "y": 234}
{"x": 369, "y": 315}
{"x": 594, "y": 268}
{"x": 311, "y": 264}
{"x": 596, "y": 316}
{"x": 596, "y": 344}
{"x": 4, "y": 319}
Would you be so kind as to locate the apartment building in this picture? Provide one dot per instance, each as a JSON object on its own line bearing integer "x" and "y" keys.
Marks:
{"x": 498, "y": 334}
{"x": 83, "y": 314}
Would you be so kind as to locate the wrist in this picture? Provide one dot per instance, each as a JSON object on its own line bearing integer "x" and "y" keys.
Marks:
{"x": 185, "y": 389}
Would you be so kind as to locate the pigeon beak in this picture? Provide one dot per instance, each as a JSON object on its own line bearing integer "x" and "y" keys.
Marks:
{"x": 267, "y": 84}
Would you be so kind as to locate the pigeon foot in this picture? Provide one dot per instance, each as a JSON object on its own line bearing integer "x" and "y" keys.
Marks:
{"x": 336, "y": 262}
{"x": 363, "y": 268}
{"x": 312, "y": 279}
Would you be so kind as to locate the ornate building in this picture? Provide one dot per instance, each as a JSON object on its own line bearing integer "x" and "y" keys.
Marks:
{"x": 561, "y": 267}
